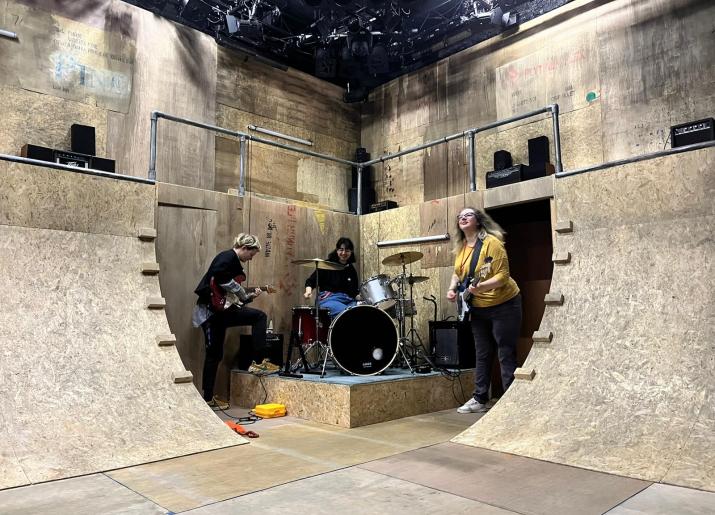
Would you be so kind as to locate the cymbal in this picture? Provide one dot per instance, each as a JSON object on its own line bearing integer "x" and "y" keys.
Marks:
{"x": 414, "y": 279}
{"x": 411, "y": 279}
{"x": 403, "y": 257}
{"x": 322, "y": 264}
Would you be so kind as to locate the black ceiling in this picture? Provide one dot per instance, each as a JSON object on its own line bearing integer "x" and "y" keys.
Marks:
{"x": 358, "y": 44}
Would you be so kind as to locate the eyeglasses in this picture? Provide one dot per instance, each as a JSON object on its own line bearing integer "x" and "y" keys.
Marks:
{"x": 465, "y": 215}
{"x": 344, "y": 250}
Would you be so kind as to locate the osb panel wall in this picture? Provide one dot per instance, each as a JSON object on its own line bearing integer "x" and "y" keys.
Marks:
{"x": 108, "y": 65}
{"x": 626, "y": 385}
{"x": 618, "y": 93}
{"x": 82, "y": 339}
{"x": 293, "y": 103}
{"x": 194, "y": 225}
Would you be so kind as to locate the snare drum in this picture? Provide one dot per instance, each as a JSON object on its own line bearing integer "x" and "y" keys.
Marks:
{"x": 304, "y": 324}
{"x": 363, "y": 340}
{"x": 378, "y": 292}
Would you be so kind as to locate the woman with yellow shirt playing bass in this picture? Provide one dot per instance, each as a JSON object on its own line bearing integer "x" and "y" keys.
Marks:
{"x": 495, "y": 303}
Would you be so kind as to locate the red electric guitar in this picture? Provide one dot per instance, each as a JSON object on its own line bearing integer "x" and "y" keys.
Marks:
{"x": 221, "y": 299}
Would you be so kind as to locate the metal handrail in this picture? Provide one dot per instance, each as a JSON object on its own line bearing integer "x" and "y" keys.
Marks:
{"x": 635, "y": 159}
{"x": 243, "y": 137}
{"x": 87, "y": 171}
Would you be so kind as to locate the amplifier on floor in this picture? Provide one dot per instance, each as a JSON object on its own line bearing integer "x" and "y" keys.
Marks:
{"x": 452, "y": 344}
{"x": 506, "y": 176}
{"x": 247, "y": 352}
{"x": 692, "y": 132}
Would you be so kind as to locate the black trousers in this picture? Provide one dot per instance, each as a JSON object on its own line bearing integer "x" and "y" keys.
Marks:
{"x": 495, "y": 329}
{"x": 215, "y": 333}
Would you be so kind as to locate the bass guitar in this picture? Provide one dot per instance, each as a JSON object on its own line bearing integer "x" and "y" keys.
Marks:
{"x": 464, "y": 297}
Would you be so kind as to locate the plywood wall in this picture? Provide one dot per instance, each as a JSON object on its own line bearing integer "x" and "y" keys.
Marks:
{"x": 622, "y": 73}
{"x": 194, "y": 225}
{"x": 109, "y": 65}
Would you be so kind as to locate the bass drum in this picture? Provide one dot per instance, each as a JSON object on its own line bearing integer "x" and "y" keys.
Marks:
{"x": 363, "y": 340}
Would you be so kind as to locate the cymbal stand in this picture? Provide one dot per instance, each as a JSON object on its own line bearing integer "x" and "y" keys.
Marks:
{"x": 399, "y": 309}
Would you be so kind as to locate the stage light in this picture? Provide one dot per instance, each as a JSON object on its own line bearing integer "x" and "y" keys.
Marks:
{"x": 355, "y": 93}
{"x": 325, "y": 63}
{"x": 360, "y": 43}
{"x": 502, "y": 19}
{"x": 378, "y": 61}
{"x": 248, "y": 29}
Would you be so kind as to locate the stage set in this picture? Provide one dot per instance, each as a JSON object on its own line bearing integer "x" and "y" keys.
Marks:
{"x": 366, "y": 365}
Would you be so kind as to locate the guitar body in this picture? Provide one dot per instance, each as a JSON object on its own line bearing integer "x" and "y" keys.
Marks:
{"x": 221, "y": 299}
{"x": 464, "y": 297}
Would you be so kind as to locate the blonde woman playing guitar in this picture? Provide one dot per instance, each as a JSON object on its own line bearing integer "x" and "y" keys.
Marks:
{"x": 492, "y": 300}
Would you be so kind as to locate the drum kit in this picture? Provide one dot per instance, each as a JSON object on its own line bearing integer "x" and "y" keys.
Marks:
{"x": 364, "y": 339}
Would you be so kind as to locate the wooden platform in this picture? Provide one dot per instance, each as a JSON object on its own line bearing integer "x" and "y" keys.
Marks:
{"x": 354, "y": 401}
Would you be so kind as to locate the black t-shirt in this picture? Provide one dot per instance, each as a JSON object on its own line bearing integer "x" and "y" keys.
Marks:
{"x": 224, "y": 267}
{"x": 337, "y": 281}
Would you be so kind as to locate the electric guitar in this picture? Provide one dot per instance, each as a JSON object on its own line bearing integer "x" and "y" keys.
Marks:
{"x": 464, "y": 297}
{"x": 221, "y": 299}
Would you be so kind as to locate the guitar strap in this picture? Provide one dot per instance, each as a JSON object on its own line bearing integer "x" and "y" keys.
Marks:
{"x": 473, "y": 263}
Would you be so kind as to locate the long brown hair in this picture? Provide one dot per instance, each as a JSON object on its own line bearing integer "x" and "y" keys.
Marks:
{"x": 484, "y": 221}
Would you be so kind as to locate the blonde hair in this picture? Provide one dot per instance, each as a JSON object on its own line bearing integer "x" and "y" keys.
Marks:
{"x": 485, "y": 223}
{"x": 246, "y": 240}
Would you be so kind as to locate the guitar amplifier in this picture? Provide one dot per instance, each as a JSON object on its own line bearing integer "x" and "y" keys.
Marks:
{"x": 452, "y": 344}
{"x": 67, "y": 158}
{"x": 248, "y": 352}
{"x": 692, "y": 132}
{"x": 506, "y": 176}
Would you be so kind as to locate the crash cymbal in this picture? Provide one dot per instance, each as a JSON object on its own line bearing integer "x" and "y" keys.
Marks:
{"x": 403, "y": 257}
{"x": 322, "y": 264}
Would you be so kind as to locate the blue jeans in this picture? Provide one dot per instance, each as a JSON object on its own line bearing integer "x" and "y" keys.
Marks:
{"x": 335, "y": 303}
{"x": 495, "y": 329}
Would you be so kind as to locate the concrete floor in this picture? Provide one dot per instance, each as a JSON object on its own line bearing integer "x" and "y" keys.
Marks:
{"x": 402, "y": 466}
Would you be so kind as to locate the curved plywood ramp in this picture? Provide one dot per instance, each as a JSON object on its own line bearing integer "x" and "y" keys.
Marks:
{"x": 89, "y": 380}
{"x": 625, "y": 383}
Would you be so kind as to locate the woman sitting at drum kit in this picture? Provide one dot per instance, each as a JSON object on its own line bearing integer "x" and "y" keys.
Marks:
{"x": 338, "y": 288}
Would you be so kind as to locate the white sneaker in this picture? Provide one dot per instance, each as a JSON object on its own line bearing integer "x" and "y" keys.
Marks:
{"x": 472, "y": 406}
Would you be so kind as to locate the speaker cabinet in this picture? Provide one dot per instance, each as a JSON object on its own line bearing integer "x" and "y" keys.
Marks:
{"x": 538, "y": 150}
{"x": 368, "y": 198}
{"x": 37, "y": 152}
{"x": 82, "y": 139}
{"x": 506, "y": 176}
{"x": 692, "y": 132}
{"x": 452, "y": 344}
{"x": 502, "y": 159}
{"x": 247, "y": 352}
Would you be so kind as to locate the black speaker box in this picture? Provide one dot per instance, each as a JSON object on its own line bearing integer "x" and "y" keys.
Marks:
{"x": 692, "y": 132}
{"x": 106, "y": 165}
{"x": 538, "y": 170}
{"x": 247, "y": 352}
{"x": 37, "y": 152}
{"x": 361, "y": 155}
{"x": 366, "y": 177}
{"x": 502, "y": 159}
{"x": 507, "y": 176}
{"x": 82, "y": 139}
{"x": 538, "y": 150}
{"x": 452, "y": 344}
{"x": 368, "y": 198}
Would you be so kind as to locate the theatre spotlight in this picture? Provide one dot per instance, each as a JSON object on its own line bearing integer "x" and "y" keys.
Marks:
{"x": 248, "y": 29}
{"x": 502, "y": 19}
{"x": 378, "y": 62}
{"x": 360, "y": 44}
{"x": 326, "y": 65}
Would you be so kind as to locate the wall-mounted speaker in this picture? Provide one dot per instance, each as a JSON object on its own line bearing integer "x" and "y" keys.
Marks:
{"x": 502, "y": 159}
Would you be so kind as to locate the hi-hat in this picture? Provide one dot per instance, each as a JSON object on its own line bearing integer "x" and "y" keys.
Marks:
{"x": 410, "y": 279}
{"x": 403, "y": 258}
{"x": 322, "y": 264}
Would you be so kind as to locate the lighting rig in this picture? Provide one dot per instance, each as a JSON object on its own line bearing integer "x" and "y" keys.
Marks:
{"x": 356, "y": 43}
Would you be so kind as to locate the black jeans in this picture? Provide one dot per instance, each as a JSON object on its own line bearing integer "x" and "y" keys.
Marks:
{"x": 215, "y": 333}
{"x": 495, "y": 328}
